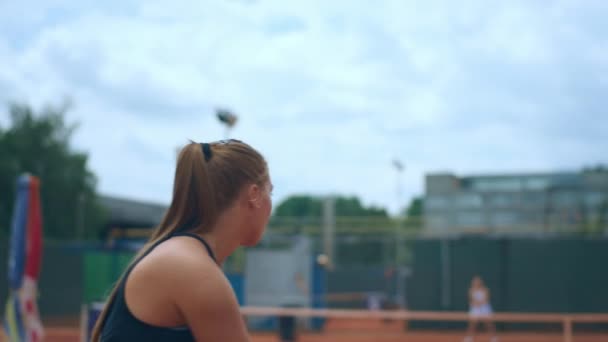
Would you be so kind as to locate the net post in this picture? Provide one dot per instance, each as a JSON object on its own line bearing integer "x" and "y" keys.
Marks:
{"x": 567, "y": 322}
{"x": 84, "y": 319}
{"x": 287, "y": 327}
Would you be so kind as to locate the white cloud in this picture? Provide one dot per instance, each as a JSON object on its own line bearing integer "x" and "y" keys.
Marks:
{"x": 331, "y": 92}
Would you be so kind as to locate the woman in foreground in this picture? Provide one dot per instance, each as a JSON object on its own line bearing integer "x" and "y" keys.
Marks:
{"x": 175, "y": 289}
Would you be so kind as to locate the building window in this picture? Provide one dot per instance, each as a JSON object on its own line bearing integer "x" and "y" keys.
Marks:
{"x": 594, "y": 199}
{"x": 502, "y": 200}
{"x": 504, "y": 219}
{"x": 536, "y": 183}
{"x": 497, "y": 184}
{"x": 469, "y": 220}
{"x": 565, "y": 199}
{"x": 436, "y": 202}
{"x": 468, "y": 201}
{"x": 533, "y": 199}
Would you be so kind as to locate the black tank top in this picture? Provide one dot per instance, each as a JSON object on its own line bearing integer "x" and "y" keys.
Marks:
{"x": 120, "y": 324}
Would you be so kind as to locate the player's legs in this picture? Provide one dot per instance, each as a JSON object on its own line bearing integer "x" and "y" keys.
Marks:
{"x": 471, "y": 330}
{"x": 491, "y": 329}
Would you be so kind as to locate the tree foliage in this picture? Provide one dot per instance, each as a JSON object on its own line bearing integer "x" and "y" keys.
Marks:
{"x": 312, "y": 206}
{"x": 416, "y": 208}
{"x": 39, "y": 144}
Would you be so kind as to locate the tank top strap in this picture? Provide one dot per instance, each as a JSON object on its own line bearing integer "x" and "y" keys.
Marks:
{"x": 144, "y": 254}
{"x": 201, "y": 240}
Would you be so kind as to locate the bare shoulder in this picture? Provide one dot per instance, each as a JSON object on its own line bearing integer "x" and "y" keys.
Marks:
{"x": 185, "y": 269}
{"x": 200, "y": 291}
{"x": 154, "y": 283}
{"x": 182, "y": 253}
{"x": 177, "y": 268}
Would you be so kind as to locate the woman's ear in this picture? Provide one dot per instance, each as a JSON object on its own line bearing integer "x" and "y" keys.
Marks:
{"x": 254, "y": 195}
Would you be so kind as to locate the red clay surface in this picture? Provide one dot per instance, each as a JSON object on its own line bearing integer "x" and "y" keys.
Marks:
{"x": 368, "y": 331}
{"x": 72, "y": 335}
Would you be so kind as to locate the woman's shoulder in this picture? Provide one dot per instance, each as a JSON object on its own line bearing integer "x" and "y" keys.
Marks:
{"x": 174, "y": 259}
{"x": 180, "y": 254}
{"x": 179, "y": 263}
{"x": 177, "y": 273}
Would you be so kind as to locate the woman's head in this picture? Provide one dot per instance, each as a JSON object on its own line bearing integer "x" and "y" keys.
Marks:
{"x": 211, "y": 178}
{"x": 477, "y": 282}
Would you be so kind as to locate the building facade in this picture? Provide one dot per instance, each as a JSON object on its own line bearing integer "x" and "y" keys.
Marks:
{"x": 518, "y": 203}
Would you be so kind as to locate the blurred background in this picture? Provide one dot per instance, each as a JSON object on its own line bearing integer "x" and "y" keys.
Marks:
{"x": 412, "y": 145}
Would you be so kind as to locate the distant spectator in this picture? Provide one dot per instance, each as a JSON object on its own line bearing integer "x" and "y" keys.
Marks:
{"x": 480, "y": 309}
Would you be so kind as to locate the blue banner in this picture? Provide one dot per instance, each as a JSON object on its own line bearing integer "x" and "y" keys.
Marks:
{"x": 16, "y": 263}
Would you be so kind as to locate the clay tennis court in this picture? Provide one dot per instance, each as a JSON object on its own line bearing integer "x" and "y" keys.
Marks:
{"x": 343, "y": 330}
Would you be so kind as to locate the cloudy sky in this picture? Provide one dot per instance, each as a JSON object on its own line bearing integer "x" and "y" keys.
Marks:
{"x": 329, "y": 91}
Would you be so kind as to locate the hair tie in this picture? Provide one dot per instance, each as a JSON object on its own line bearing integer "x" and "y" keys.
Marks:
{"x": 206, "y": 151}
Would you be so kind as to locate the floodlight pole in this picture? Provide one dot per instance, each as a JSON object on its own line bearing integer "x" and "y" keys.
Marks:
{"x": 329, "y": 226}
{"x": 399, "y": 282}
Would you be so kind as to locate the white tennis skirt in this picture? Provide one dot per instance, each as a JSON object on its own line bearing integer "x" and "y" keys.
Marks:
{"x": 481, "y": 311}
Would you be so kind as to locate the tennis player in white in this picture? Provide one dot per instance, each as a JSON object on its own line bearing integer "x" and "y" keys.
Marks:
{"x": 480, "y": 309}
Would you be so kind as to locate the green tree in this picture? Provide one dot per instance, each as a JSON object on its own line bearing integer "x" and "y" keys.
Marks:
{"x": 352, "y": 206}
{"x": 416, "y": 208}
{"x": 311, "y": 206}
{"x": 299, "y": 206}
{"x": 39, "y": 143}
